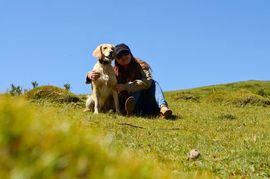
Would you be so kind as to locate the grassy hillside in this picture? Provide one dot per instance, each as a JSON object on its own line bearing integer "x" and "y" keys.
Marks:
{"x": 239, "y": 94}
{"x": 42, "y": 143}
{"x": 229, "y": 124}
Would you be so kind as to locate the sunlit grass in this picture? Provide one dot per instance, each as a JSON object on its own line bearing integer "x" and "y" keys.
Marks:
{"x": 232, "y": 138}
{"x": 47, "y": 144}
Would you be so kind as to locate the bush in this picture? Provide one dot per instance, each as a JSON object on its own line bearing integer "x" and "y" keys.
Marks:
{"x": 34, "y": 84}
{"x": 261, "y": 92}
{"x": 239, "y": 98}
{"x": 67, "y": 86}
{"x": 51, "y": 94}
{"x": 15, "y": 90}
{"x": 243, "y": 98}
{"x": 186, "y": 97}
{"x": 227, "y": 116}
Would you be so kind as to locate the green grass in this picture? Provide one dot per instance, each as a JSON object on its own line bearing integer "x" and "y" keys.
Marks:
{"x": 47, "y": 143}
{"x": 229, "y": 124}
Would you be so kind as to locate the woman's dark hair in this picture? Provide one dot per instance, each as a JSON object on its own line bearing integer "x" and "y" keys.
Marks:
{"x": 131, "y": 72}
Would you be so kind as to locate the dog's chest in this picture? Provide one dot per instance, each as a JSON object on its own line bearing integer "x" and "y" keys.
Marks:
{"x": 107, "y": 76}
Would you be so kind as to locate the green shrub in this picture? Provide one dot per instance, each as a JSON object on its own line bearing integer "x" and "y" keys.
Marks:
{"x": 244, "y": 97}
{"x": 34, "y": 84}
{"x": 51, "y": 94}
{"x": 186, "y": 97}
{"x": 227, "y": 116}
{"x": 262, "y": 92}
{"x": 15, "y": 90}
{"x": 67, "y": 86}
{"x": 239, "y": 97}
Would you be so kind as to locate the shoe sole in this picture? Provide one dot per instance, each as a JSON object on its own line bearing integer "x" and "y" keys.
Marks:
{"x": 167, "y": 114}
{"x": 129, "y": 105}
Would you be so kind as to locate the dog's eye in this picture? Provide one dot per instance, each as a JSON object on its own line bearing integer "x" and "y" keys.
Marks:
{"x": 104, "y": 48}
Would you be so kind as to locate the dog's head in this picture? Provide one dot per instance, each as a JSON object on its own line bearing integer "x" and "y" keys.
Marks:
{"x": 104, "y": 52}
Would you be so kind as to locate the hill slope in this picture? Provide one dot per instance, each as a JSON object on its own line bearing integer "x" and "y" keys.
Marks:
{"x": 229, "y": 124}
{"x": 239, "y": 94}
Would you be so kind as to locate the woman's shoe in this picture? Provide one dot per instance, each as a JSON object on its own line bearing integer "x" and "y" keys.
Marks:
{"x": 130, "y": 105}
{"x": 165, "y": 112}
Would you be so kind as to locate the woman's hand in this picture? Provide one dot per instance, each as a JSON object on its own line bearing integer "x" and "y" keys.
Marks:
{"x": 93, "y": 75}
{"x": 120, "y": 87}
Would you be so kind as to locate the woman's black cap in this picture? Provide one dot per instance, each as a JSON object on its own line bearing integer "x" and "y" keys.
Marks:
{"x": 121, "y": 50}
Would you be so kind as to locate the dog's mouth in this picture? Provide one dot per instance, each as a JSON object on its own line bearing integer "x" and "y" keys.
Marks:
{"x": 110, "y": 57}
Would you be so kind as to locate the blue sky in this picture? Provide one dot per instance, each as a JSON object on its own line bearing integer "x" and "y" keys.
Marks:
{"x": 188, "y": 43}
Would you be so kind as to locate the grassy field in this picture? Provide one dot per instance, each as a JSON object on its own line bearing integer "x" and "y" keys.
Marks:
{"x": 229, "y": 124}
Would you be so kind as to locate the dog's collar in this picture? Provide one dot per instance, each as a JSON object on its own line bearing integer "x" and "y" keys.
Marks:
{"x": 103, "y": 62}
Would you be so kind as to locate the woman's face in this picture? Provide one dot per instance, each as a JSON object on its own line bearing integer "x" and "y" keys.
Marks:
{"x": 124, "y": 60}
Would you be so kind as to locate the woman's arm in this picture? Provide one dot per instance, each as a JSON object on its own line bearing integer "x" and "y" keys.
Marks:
{"x": 142, "y": 84}
{"x": 91, "y": 76}
{"x": 87, "y": 79}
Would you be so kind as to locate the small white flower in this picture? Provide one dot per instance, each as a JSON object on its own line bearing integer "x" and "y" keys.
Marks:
{"x": 193, "y": 154}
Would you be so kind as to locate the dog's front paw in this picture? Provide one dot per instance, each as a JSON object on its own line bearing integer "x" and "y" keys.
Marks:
{"x": 118, "y": 112}
{"x": 86, "y": 110}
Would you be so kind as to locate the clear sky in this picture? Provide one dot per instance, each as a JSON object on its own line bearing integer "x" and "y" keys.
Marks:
{"x": 188, "y": 43}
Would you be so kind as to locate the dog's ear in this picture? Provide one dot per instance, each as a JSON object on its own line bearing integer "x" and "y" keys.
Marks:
{"x": 97, "y": 52}
{"x": 114, "y": 53}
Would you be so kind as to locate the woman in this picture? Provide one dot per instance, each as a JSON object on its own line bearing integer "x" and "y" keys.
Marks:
{"x": 139, "y": 94}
